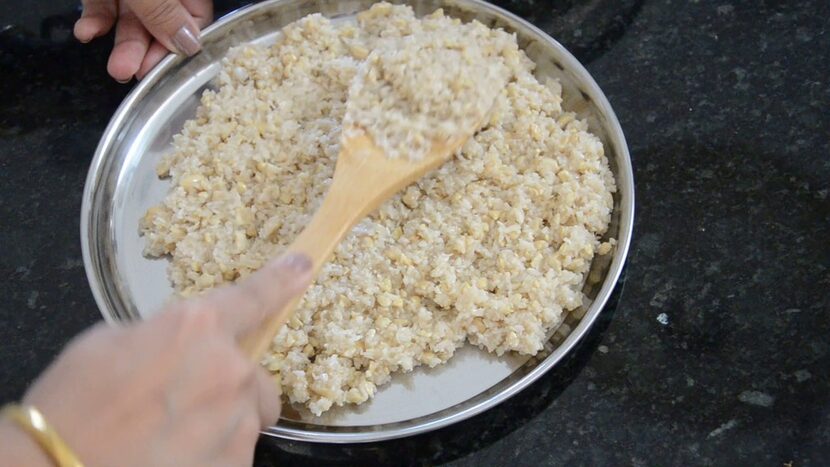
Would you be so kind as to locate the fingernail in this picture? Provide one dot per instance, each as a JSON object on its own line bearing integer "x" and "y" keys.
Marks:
{"x": 295, "y": 262}
{"x": 186, "y": 41}
{"x": 123, "y": 81}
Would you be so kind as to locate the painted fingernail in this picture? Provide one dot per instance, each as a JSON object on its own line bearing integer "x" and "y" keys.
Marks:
{"x": 186, "y": 41}
{"x": 295, "y": 262}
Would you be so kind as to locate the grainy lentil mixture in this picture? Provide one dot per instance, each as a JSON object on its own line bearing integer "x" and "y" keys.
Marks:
{"x": 430, "y": 80}
{"x": 491, "y": 249}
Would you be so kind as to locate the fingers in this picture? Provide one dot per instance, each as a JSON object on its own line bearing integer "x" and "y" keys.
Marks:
{"x": 96, "y": 20}
{"x": 170, "y": 23}
{"x": 243, "y": 307}
{"x": 239, "y": 446}
{"x": 155, "y": 54}
{"x": 201, "y": 10}
{"x": 131, "y": 43}
{"x": 174, "y": 23}
{"x": 268, "y": 393}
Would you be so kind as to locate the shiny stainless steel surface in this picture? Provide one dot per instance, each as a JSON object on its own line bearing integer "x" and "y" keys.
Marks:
{"x": 122, "y": 184}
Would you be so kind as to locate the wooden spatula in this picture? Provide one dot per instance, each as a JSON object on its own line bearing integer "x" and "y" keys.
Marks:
{"x": 364, "y": 178}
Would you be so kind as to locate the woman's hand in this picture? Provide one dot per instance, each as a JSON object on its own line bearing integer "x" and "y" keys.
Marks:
{"x": 145, "y": 30}
{"x": 174, "y": 390}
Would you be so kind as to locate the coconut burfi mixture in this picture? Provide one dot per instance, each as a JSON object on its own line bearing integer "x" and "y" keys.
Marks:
{"x": 492, "y": 248}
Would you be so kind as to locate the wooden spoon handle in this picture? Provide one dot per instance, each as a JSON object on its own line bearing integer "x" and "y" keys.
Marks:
{"x": 340, "y": 211}
{"x": 363, "y": 179}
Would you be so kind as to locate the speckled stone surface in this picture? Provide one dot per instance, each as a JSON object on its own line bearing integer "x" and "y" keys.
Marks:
{"x": 716, "y": 349}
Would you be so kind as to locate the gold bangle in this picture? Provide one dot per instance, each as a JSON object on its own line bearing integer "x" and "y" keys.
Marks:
{"x": 34, "y": 424}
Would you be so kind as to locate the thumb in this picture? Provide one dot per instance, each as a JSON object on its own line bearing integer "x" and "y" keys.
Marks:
{"x": 170, "y": 23}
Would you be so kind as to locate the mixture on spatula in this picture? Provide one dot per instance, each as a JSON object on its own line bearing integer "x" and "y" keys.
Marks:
{"x": 492, "y": 248}
{"x": 433, "y": 81}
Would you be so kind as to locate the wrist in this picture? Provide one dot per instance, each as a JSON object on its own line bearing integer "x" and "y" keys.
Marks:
{"x": 18, "y": 448}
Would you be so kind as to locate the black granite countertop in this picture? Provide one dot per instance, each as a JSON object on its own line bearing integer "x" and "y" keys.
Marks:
{"x": 716, "y": 347}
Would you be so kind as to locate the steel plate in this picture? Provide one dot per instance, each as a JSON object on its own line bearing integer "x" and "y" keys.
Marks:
{"x": 122, "y": 184}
